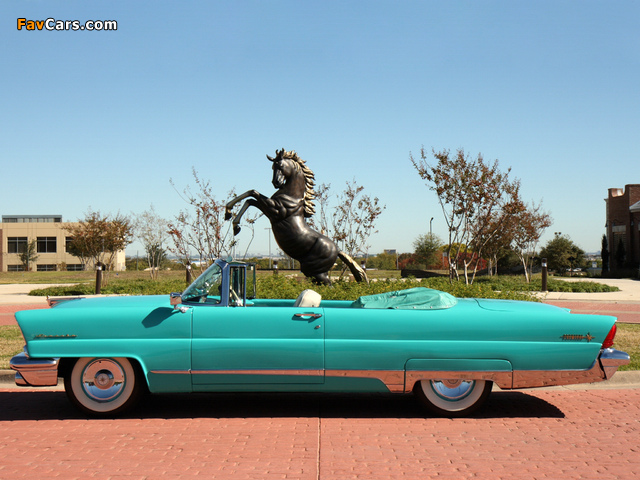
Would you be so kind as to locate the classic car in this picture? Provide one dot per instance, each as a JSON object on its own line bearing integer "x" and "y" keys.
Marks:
{"x": 217, "y": 336}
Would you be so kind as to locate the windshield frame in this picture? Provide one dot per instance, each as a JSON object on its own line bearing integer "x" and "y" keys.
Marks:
{"x": 219, "y": 273}
{"x": 199, "y": 290}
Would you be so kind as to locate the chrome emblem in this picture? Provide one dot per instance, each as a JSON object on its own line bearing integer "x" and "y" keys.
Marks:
{"x": 578, "y": 338}
{"x": 53, "y": 336}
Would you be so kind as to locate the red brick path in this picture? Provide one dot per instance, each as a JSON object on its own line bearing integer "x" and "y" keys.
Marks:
{"x": 550, "y": 434}
{"x": 626, "y": 312}
{"x": 7, "y": 312}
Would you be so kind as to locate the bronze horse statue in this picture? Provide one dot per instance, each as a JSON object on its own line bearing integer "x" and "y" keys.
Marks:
{"x": 287, "y": 209}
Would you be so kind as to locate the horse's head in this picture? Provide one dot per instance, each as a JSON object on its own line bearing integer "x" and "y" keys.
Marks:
{"x": 283, "y": 167}
{"x": 286, "y": 164}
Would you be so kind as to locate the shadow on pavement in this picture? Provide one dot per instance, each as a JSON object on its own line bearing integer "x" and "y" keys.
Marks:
{"x": 55, "y": 406}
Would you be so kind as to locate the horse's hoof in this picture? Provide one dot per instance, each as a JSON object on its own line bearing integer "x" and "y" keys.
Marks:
{"x": 227, "y": 215}
{"x": 236, "y": 229}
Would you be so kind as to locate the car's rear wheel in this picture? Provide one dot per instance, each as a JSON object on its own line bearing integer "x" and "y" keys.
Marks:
{"x": 453, "y": 398}
{"x": 103, "y": 386}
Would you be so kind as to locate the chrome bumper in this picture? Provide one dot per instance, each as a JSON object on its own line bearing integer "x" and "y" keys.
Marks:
{"x": 611, "y": 359}
{"x": 35, "y": 372}
{"x": 602, "y": 369}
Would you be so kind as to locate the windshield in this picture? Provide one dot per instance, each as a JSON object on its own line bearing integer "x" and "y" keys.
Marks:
{"x": 207, "y": 285}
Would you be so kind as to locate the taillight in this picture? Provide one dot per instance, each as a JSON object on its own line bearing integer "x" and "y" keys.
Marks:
{"x": 608, "y": 342}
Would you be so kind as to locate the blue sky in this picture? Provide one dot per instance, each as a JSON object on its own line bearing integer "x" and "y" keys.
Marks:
{"x": 104, "y": 120}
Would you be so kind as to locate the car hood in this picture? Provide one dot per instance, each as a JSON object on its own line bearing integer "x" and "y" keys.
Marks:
{"x": 119, "y": 301}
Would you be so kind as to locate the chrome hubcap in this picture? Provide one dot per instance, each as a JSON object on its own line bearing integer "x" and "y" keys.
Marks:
{"x": 103, "y": 380}
{"x": 452, "y": 390}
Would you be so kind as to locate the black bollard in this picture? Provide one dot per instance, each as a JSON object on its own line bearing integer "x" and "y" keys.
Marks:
{"x": 189, "y": 279}
{"x": 98, "y": 278}
{"x": 544, "y": 275}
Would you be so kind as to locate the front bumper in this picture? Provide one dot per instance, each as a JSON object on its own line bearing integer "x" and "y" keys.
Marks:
{"x": 35, "y": 372}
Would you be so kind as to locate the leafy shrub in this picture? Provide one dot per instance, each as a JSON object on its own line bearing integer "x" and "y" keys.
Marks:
{"x": 509, "y": 283}
{"x": 285, "y": 286}
{"x": 280, "y": 286}
{"x": 116, "y": 287}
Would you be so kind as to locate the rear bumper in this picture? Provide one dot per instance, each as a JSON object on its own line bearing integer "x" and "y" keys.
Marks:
{"x": 603, "y": 368}
{"x": 35, "y": 372}
{"x": 611, "y": 359}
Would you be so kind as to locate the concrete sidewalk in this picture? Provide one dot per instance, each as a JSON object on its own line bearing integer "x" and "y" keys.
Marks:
{"x": 629, "y": 291}
{"x": 18, "y": 294}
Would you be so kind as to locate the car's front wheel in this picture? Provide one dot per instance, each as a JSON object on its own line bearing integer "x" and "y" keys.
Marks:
{"x": 103, "y": 386}
{"x": 453, "y": 398}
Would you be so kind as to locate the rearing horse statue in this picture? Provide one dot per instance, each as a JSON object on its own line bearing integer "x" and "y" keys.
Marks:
{"x": 286, "y": 210}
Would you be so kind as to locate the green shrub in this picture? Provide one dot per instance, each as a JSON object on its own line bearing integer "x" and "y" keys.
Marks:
{"x": 280, "y": 286}
{"x": 285, "y": 286}
{"x": 116, "y": 287}
{"x": 505, "y": 282}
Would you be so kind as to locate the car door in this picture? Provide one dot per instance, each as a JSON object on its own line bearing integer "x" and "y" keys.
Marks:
{"x": 261, "y": 345}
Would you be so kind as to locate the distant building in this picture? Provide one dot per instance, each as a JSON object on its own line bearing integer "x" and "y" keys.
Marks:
{"x": 623, "y": 225}
{"x": 16, "y": 231}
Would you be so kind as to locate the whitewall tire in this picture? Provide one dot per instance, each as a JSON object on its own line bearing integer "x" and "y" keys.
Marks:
{"x": 103, "y": 386}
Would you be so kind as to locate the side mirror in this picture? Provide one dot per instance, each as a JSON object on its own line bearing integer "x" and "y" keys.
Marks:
{"x": 175, "y": 299}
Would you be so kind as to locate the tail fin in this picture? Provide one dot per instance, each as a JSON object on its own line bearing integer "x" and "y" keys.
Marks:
{"x": 356, "y": 270}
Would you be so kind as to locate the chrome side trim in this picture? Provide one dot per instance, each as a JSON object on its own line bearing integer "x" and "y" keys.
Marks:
{"x": 306, "y": 373}
{"x": 171, "y": 372}
{"x": 35, "y": 372}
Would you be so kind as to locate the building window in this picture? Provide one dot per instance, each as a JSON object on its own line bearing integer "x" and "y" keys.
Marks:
{"x": 15, "y": 268}
{"x": 46, "y": 268}
{"x": 16, "y": 244}
{"x": 47, "y": 245}
{"x": 67, "y": 242}
{"x": 75, "y": 267}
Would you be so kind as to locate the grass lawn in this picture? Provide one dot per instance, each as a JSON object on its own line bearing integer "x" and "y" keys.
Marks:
{"x": 628, "y": 340}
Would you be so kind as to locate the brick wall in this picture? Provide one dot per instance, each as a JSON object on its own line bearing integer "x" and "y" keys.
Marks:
{"x": 622, "y": 225}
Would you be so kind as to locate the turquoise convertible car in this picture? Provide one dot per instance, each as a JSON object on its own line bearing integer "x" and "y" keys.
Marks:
{"x": 216, "y": 336}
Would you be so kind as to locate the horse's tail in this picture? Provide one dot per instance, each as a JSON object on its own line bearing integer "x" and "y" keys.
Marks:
{"x": 356, "y": 270}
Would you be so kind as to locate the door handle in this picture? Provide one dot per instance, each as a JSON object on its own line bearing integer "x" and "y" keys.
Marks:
{"x": 308, "y": 316}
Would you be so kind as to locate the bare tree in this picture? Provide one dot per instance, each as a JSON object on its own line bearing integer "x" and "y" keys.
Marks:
{"x": 354, "y": 219}
{"x": 201, "y": 229}
{"x": 320, "y": 221}
{"x": 527, "y": 227}
{"x": 151, "y": 230}
{"x": 351, "y": 221}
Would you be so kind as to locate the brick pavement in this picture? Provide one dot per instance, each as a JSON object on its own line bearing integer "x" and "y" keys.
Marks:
{"x": 7, "y": 312}
{"x": 541, "y": 434}
{"x": 626, "y": 312}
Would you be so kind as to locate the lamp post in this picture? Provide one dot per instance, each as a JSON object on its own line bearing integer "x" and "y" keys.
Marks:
{"x": 270, "y": 264}
{"x": 431, "y": 228}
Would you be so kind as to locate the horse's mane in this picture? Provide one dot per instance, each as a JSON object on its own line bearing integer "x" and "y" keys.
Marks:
{"x": 309, "y": 179}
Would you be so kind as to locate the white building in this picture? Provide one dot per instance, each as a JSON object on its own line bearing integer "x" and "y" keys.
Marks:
{"x": 16, "y": 231}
